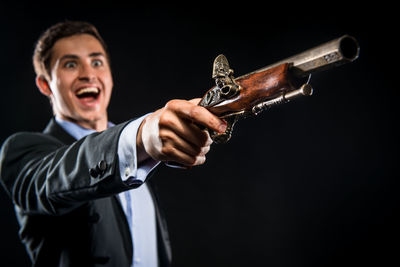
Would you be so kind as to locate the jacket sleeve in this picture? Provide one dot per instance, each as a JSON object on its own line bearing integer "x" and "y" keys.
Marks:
{"x": 44, "y": 176}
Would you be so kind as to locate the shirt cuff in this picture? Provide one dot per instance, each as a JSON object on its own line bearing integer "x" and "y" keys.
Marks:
{"x": 127, "y": 154}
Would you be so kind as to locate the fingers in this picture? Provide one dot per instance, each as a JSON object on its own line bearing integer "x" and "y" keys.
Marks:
{"x": 182, "y": 141}
{"x": 170, "y": 138}
{"x": 173, "y": 133}
{"x": 184, "y": 129}
{"x": 177, "y": 150}
{"x": 196, "y": 114}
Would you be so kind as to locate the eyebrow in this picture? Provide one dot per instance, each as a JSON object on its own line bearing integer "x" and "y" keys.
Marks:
{"x": 72, "y": 56}
{"x": 68, "y": 56}
{"x": 96, "y": 54}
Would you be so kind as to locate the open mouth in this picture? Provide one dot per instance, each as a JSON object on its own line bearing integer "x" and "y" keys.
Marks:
{"x": 88, "y": 93}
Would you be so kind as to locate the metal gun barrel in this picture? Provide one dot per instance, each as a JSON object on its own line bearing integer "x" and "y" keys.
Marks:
{"x": 328, "y": 55}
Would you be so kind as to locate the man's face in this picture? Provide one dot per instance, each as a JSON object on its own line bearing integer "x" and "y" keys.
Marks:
{"x": 81, "y": 81}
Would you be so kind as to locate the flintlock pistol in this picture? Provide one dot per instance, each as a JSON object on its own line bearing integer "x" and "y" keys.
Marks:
{"x": 236, "y": 98}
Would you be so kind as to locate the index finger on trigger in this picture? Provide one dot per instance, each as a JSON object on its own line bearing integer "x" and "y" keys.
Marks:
{"x": 200, "y": 115}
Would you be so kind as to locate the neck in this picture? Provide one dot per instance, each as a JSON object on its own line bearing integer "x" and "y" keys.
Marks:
{"x": 97, "y": 124}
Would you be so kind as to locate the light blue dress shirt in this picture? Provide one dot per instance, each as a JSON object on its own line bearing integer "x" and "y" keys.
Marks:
{"x": 137, "y": 204}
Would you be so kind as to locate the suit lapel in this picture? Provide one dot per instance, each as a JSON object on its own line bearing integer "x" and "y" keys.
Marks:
{"x": 58, "y": 132}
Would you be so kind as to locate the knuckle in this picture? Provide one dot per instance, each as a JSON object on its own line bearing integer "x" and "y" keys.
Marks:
{"x": 197, "y": 150}
{"x": 167, "y": 151}
{"x": 205, "y": 150}
{"x": 202, "y": 151}
{"x": 200, "y": 160}
{"x": 209, "y": 140}
{"x": 165, "y": 119}
{"x": 192, "y": 161}
{"x": 165, "y": 135}
{"x": 195, "y": 111}
{"x": 172, "y": 104}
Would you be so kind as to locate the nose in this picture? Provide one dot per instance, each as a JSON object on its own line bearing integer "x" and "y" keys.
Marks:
{"x": 87, "y": 73}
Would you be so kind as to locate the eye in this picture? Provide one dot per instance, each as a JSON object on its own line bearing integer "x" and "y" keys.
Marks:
{"x": 70, "y": 64}
{"x": 97, "y": 63}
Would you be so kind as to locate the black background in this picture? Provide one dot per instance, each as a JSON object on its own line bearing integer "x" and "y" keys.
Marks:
{"x": 309, "y": 183}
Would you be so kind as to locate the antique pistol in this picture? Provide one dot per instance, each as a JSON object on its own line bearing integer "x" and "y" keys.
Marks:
{"x": 236, "y": 98}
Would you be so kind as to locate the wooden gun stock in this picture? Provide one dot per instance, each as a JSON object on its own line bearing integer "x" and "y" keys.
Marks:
{"x": 256, "y": 88}
{"x": 236, "y": 98}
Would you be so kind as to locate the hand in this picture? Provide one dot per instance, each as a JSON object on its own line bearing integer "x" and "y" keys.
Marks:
{"x": 172, "y": 133}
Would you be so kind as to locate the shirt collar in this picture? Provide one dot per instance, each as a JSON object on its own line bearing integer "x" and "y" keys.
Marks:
{"x": 76, "y": 130}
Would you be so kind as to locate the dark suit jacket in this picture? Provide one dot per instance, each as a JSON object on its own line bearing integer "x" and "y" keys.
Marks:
{"x": 70, "y": 216}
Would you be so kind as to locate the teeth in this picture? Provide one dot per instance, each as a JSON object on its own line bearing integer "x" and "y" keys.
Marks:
{"x": 87, "y": 90}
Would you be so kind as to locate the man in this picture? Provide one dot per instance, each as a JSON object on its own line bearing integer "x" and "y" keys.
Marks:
{"x": 80, "y": 188}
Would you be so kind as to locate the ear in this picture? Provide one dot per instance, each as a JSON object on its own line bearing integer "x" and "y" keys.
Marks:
{"x": 43, "y": 85}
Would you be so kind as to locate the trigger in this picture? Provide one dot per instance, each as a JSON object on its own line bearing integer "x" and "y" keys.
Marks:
{"x": 221, "y": 138}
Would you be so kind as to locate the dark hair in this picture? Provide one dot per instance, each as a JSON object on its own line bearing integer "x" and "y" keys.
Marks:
{"x": 43, "y": 49}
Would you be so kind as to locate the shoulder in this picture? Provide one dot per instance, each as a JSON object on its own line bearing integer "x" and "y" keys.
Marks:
{"x": 30, "y": 139}
{"x": 25, "y": 143}
{"x": 23, "y": 149}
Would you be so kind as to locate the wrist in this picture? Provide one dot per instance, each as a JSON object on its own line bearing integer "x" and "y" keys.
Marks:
{"x": 140, "y": 150}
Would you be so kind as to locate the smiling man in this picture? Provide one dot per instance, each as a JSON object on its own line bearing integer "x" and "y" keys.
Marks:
{"x": 80, "y": 82}
{"x": 81, "y": 187}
